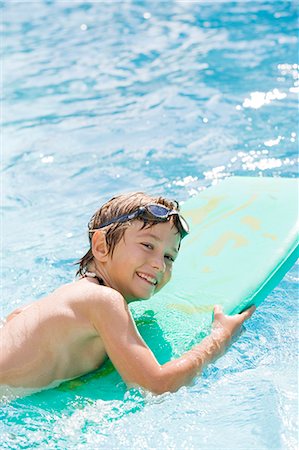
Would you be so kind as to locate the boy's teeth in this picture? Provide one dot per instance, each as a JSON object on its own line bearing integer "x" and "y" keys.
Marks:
{"x": 147, "y": 278}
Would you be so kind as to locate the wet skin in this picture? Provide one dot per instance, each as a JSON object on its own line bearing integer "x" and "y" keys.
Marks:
{"x": 72, "y": 331}
{"x": 59, "y": 336}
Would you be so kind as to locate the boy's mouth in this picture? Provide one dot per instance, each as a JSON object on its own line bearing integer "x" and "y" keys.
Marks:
{"x": 151, "y": 280}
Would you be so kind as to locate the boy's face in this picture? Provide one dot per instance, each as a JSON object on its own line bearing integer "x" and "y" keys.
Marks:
{"x": 142, "y": 261}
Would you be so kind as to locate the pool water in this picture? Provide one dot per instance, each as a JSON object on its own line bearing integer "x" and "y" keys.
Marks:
{"x": 165, "y": 97}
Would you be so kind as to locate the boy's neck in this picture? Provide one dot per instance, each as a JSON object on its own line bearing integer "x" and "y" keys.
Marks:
{"x": 94, "y": 275}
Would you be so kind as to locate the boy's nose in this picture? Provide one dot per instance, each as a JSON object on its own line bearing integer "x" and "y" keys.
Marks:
{"x": 159, "y": 264}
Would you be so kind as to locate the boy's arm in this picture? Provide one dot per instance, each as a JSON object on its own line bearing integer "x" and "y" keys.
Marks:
{"x": 134, "y": 360}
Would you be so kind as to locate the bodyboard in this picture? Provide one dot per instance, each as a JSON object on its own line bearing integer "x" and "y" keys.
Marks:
{"x": 243, "y": 240}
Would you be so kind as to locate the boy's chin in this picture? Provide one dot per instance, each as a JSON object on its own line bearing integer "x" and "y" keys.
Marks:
{"x": 139, "y": 298}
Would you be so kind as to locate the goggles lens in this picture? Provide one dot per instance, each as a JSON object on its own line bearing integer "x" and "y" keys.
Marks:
{"x": 158, "y": 211}
{"x": 163, "y": 213}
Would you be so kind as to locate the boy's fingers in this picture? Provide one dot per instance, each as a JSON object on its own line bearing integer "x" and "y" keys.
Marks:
{"x": 218, "y": 309}
{"x": 248, "y": 312}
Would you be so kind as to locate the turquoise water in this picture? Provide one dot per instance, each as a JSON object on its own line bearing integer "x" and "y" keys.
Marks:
{"x": 167, "y": 97}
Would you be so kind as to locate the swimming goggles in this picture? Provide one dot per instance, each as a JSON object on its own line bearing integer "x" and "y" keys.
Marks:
{"x": 151, "y": 212}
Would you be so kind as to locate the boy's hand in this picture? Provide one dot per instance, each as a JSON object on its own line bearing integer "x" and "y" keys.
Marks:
{"x": 225, "y": 327}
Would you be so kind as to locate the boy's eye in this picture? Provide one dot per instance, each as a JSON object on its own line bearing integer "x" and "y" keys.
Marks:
{"x": 147, "y": 245}
{"x": 170, "y": 258}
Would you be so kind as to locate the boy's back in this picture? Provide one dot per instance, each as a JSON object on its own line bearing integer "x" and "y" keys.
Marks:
{"x": 53, "y": 338}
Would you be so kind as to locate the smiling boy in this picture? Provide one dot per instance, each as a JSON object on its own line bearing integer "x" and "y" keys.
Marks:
{"x": 134, "y": 241}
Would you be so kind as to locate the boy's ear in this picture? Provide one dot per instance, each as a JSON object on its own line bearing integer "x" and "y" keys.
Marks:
{"x": 99, "y": 246}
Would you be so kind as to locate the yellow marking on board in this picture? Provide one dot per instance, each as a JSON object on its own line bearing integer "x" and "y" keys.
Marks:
{"x": 223, "y": 216}
{"x": 71, "y": 384}
{"x": 189, "y": 309}
{"x": 207, "y": 269}
{"x": 198, "y": 215}
{"x": 273, "y": 237}
{"x": 252, "y": 222}
{"x": 218, "y": 246}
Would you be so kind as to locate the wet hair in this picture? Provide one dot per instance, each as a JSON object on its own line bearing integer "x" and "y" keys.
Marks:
{"x": 117, "y": 206}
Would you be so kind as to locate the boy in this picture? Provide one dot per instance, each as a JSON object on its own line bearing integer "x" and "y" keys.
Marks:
{"x": 134, "y": 241}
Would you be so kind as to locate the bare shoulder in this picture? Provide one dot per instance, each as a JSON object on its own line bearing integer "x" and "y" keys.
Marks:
{"x": 91, "y": 294}
{"x": 84, "y": 299}
{"x": 98, "y": 304}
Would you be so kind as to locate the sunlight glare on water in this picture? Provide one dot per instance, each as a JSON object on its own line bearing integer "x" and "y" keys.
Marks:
{"x": 170, "y": 98}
